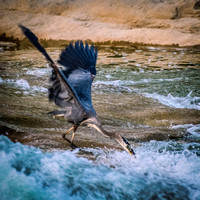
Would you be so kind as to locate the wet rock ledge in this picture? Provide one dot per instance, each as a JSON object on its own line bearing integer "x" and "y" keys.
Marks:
{"x": 87, "y": 138}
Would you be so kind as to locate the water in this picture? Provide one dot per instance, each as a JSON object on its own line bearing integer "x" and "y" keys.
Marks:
{"x": 162, "y": 170}
{"x": 151, "y": 95}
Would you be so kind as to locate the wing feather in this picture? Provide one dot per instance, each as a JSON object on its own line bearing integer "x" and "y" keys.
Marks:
{"x": 78, "y": 56}
{"x": 71, "y": 87}
{"x": 61, "y": 91}
{"x": 80, "y": 63}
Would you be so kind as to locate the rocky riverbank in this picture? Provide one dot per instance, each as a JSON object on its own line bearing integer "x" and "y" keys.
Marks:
{"x": 156, "y": 22}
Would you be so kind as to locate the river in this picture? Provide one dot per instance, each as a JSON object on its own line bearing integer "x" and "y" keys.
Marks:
{"x": 151, "y": 95}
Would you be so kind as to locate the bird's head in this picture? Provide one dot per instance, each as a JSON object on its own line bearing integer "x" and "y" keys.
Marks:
{"x": 125, "y": 144}
{"x": 94, "y": 123}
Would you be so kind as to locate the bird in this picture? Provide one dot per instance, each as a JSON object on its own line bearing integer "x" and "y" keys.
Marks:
{"x": 71, "y": 87}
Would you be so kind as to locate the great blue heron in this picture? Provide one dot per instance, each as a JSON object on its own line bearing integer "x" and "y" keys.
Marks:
{"x": 71, "y": 88}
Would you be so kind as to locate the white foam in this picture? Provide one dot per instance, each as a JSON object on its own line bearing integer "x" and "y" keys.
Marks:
{"x": 156, "y": 159}
{"x": 1, "y": 80}
{"x": 108, "y": 76}
{"x": 38, "y": 71}
{"x": 21, "y": 83}
{"x": 190, "y": 128}
{"x": 154, "y": 48}
{"x": 114, "y": 82}
{"x": 39, "y": 89}
{"x": 138, "y": 51}
{"x": 177, "y": 102}
{"x": 160, "y": 169}
{"x": 130, "y": 82}
{"x": 24, "y": 85}
{"x": 114, "y": 86}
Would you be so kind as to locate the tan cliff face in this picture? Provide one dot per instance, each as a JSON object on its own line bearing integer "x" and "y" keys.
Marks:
{"x": 163, "y": 22}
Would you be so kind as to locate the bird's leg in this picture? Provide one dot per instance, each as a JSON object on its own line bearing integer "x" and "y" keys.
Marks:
{"x": 75, "y": 128}
{"x": 73, "y": 134}
{"x": 71, "y": 141}
{"x": 67, "y": 132}
{"x": 73, "y": 146}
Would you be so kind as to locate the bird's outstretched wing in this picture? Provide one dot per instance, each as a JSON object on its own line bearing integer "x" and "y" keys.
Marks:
{"x": 78, "y": 56}
{"x": 72, "y": 86}
{"x": 79, "y": 61}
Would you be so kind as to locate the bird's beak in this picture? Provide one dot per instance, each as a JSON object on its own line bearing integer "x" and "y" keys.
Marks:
{"x": 125, "y": 144}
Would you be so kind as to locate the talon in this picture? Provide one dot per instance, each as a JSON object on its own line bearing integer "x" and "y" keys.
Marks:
{"x": 63, "y": 135}
{"x": 73, "y": 146}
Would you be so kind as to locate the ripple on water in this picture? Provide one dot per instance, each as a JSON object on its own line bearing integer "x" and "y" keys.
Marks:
{"x": 177, "y": 102}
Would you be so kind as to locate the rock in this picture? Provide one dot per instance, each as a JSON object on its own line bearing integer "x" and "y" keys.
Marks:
{"x": 155, "y": 22}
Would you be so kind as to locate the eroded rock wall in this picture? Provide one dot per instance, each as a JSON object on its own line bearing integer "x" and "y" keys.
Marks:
{"x": 163, "y": 22}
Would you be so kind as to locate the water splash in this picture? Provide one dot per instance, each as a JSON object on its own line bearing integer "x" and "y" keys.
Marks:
{"x": 162, "y": 170}
{"x": 177, "y": 102}
{"x": 192, "y": 129}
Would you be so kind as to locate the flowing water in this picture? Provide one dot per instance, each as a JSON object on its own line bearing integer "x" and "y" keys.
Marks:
{"x": 150, "y": 94}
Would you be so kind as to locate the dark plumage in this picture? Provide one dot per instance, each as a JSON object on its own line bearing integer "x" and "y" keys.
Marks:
{"x": 71, "y": 87}
{"x": 79, "y": 62}
{"x": 79, "y": 56}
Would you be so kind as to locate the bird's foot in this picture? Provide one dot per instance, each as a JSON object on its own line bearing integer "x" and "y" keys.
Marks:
{"x": 72, "y": 145}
